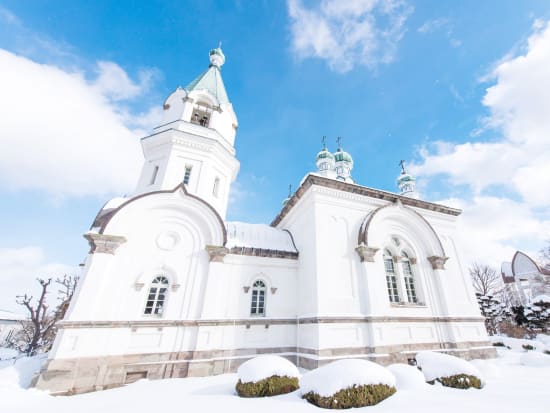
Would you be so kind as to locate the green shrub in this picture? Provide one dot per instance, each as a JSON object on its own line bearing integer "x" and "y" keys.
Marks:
{"x": 528, "y": 347}
{"x": 356, "y": 396}
{"x": 271, "y": 386}
{"x": 461, "y": 381}
{"x": 498, "y": 344}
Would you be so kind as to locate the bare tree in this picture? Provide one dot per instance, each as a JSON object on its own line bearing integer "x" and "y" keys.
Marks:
{"x": 485, "y": 279}
{"x": 38, "y": 332}
{"x": 65, "y": 294}
{"x": 37, "y": 329}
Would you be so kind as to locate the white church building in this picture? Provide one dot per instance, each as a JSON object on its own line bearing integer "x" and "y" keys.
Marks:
{"x": 171, "y": 289}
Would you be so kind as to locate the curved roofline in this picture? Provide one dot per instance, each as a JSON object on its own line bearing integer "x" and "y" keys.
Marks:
{"x": 181, "y": 186}
{"x": 363, "y": 235}
{"x": 528, "y": 257}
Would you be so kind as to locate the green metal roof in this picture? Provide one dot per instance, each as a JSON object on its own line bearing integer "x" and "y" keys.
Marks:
{"x": 211, "y": 80}
{"x": 325, "y": 154}
{"x": 341, "y": 155}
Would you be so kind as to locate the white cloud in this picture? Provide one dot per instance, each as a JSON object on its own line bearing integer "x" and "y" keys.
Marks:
{"x": 515, "y": 165}
{"x": 431, "y": 26}
{"x": 441, "y": 24}
{"x": 347, "y": 33}
{"x": 19, "y": 268}
{"x": 67, "y": 135}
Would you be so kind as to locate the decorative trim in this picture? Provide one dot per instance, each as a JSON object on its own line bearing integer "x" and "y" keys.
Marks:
{"x": 366, "y": 253}
{"x": 216, "y": 253}
{"x": 412, "y": 260}
{"x": 104, "y": 244}
{"x": 105, "y": 220}
{"x": 438, "y": 263}
{"x": 396, "y": 258}
{"x": 360, "y": 190}
{"x": 166, "y": 106}
{"x": 262, "y": 321}
{"x": 246, "y": 288}
{"x": 363, "y": 235}
{"x": 273, "y": 290}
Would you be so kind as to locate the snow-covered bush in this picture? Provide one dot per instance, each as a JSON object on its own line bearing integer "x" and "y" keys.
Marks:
{"x": 407, "y": 377}
{"x": 347, "y": 383}
{"x": 448, "y": 370}
{"x": 266, "y": 376}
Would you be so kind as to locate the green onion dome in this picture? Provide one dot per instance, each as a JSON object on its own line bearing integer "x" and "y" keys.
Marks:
{"x": 324, "y": 154}
{"x": 342, "y": 156}
{"x": 405, "y": 177}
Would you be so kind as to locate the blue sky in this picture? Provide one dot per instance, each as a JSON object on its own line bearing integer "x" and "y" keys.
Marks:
{"x": 451, "y": 87}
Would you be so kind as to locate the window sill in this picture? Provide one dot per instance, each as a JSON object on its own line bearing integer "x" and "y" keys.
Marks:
{"x": 409, "y": 305}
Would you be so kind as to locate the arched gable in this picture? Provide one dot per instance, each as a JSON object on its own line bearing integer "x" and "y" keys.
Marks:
{"x": 523, "y": 265}
{"x": 177, "y": 204}
{"x": 411, "y": 223}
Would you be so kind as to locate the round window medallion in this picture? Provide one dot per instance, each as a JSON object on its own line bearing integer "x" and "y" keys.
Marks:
{"x": 168, "y": 240}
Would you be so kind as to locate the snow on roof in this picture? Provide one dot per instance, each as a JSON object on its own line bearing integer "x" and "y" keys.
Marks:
{"x": 435, "y": 365}
{"x": 8, "y": 315}
{"x": 263, "y": 367}
{"x": 241, "y": 234}
{"x": 341, "y": 374}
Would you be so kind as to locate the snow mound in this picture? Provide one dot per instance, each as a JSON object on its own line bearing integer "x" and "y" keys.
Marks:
{"x": 21, "y": 373}
{"x": 541, "y": 298}
{"x": 407, "y": 377}
{"x": 341, "y": 374}
{"x": 263, "y": 367}
{"x": 8, "y": 353}
{"x": 435, "y": 365}
{"x": 534, "y": 359}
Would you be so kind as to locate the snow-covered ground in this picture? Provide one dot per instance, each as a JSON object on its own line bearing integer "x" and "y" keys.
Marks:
{"x": 510, "y": 387}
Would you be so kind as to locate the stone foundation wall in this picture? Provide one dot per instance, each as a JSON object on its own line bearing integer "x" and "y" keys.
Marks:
{"x": 81, "y": 375}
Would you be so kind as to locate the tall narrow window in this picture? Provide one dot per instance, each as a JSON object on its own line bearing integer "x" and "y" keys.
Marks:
{"x": 391, "y": 277}
{"x": 187, "y": 175}
{"x": 216, "y": 187}
{"x": 257, "y": 307}
{"x": 154, "y": 176}
{"x": 408, "y": 277}
{"x": 157, "y": 296}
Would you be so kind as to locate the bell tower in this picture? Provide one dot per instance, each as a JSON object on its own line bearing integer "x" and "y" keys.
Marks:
{"x": 193, "y": 144}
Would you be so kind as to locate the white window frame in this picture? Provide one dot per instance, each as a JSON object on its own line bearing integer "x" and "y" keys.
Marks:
{"x": 157, "y": 295}
{"x": 154, "y": 175}
{"x": 216, "y": 187}
{"x": 258, "y": 298}
{"x": 392, "y": 277}
{"x": 409, "y": 278}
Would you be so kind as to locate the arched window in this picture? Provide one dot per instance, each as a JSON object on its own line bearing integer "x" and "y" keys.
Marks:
{"x": 257, "y": 306}
{"x": 408, "y": 277}
{"x": 201, "y": 114}
{"x": 391, "y": 277}
{"x": 157, "y": 296}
